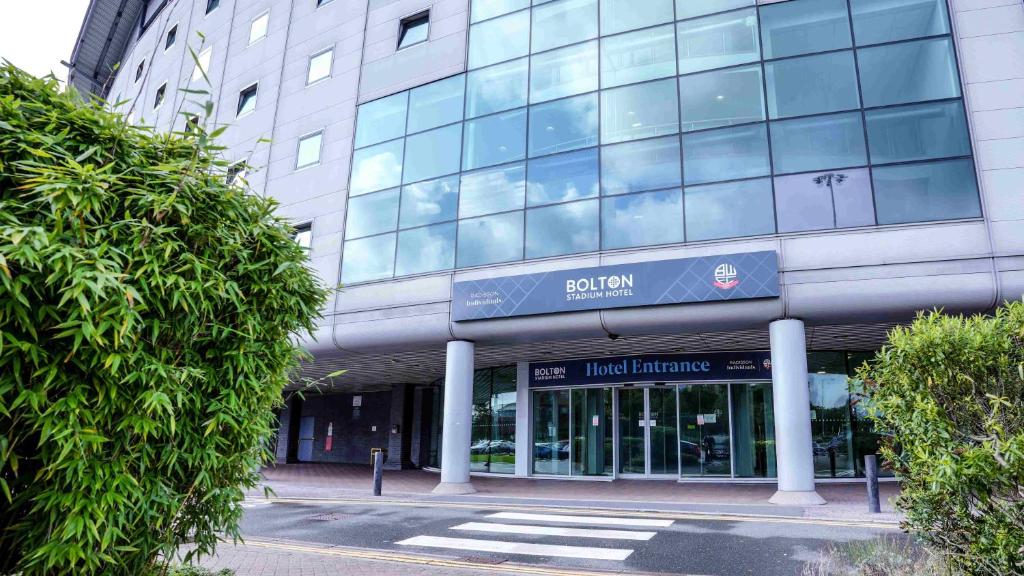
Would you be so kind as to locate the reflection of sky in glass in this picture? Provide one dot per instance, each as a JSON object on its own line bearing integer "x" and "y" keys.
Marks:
{"x": 436, "y": 104}
{"x": 562, "y": 178}
{"x": 721, "y": 98}
{"x": 563, "y": 125}
{"x": 497, "y": 88}
{"x": 372, "y": 214}
{"x": 562, "y": 229}
{"x": 637, "y": 166}
{"x": 426, "y": 249}
{"x": 639, "y": 111}
{"x": 429, "y": 202}
{"x": 484, "y": 9}
{"x": 492, "y": 190}
{"x": 718, "y": 41}
{"x": 499, "y": 39}
{"x": 642, "y": 219}
{"x": 622, "y": 15}
{"x": 377, "y": 168}
{"x": 491, "y": 239}
{"x": 562, "y": 23}
{"x": 691, "y": 8}
{"x": 432, "y": 154}
{"x": 368, "y": 259}
{"x": 564, "y": 72}
{"x": 494, "y": 140}
{"x": 381, "y": 120}
{"x": 726, "y": 154}
{"x": 309, "y": 150}
{"x": 730, "y": 210}
{"x": 818, "y": 143}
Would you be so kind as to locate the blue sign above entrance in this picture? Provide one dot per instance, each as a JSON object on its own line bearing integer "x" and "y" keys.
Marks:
{"x": 704, "y": 279}
{"x": 696, "y": 367}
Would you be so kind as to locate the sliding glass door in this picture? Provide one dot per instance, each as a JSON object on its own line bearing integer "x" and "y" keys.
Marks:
{"x": 572, "y": 432}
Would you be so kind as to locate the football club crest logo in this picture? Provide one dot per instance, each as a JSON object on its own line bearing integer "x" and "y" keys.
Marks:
{"x": 725, "y": 277}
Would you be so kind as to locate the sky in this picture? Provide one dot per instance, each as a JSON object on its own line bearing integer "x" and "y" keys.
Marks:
{"x": 37, "y": 34}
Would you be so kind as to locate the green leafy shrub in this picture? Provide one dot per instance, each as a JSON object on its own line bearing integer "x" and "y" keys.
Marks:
{"x": 878, "y": 557}
{"x": 147, "y": 321}
{"x": 950, "y": 390}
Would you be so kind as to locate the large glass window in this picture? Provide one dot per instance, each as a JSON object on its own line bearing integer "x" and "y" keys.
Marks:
{"x": 368, "y": 259}
{"x": 486, "y": 9}
{"x": 377, "y": 167}
{"x": 721, "y": 98}
{"x": 426, "y": 249}
{"x": 436, "y": 104}
{"x": 551, "y": 432}
{"x": 563, "y": 72}
{"x": 497, "y": 88}
{"x": 712, "y": 210}
{"x": 372, "y": 214}
{"x": 908, "y": 72}
{"x": 803, "y": 27}
{"x": 499, "y": 39}
{"x": 638, "y": 56}
{"x": 493, "y": 446}
{"x": 726, "y": 154}
{"x": 490, "y": 240}
{"x": 638, "y": 166}
{"x": 621, "y": 15}
{"x": 562, "y": 178}
{"x": 878, "y": 21}
{"x": 563, "y": 125}
{"x": 432, "y": 154}
{"x": 718, "y": 41}
{"x": 429, "y": 202}
{"x": 642, "y": 219}
{"x": 562, "y": 229}
{"x": 822, "y": 200}
{"x": 639, "y": 111}
{"x": 918, "y": 132}
{"x": 690, "y": 8}
{"x": 811, "y": 85}
{"x": 563, "y": 22}
{"x": 494, "y": 140}
{"x": 492, "y": 190}
{"x": 381, "y": 120}
{"x": 924, "y": 192}
{"x": 817, "y": 143}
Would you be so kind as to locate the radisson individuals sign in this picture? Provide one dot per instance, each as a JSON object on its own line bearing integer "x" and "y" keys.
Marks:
{"x": 703, "y": 279}
{"x": 696, "y": 367}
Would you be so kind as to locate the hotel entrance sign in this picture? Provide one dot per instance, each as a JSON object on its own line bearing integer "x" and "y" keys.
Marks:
{"x": 694, "y": 367}
{"x": 703, "y": 279}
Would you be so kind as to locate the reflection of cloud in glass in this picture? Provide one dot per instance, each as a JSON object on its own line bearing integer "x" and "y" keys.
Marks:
{"x": 562, "y": 72}
{"x": 563, "y": 178}
{"x": 643, "y": 219}
{"x": 368, "y": 259}
{"x": 491, "y": 239}
{"x": 492, "y": 190}
{"x": 497, "y": 88}
{"x": 377, "y": 168}
{"x": 426, "y": 249}
{"x": 428, "y": 202}
{"x": 562, "y": 229}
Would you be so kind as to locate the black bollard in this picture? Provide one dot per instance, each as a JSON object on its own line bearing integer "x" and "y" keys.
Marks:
{"x": 832, "y": 461}
{"x": 871, "y": 471}
{"x": 378, "y": 471}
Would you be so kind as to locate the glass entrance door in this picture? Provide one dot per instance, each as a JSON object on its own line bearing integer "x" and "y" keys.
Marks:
{"x": 648, "y": 431}
{"x": 705, "y": 440}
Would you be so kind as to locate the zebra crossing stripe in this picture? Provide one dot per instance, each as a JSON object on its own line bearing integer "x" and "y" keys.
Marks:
{"x": 587, "y": 520}
{"x": 559, "y": 551}
{"x": 555, "y": 531}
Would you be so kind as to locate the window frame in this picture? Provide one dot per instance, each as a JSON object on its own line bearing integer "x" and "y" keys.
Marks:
{"x": 309, "y": 65}
{"x": 319, "y": 153}
{"x": 255, "y": 87}
{"x": 211, "y": 6}
{"x": 171, "y": 38}
{"x": 306, "y": 226}
{"x": 160, "y": 96}
{"x": 266, "y": 29}
{"x": 139, "y": 70}
{"x": 403, "y": 29}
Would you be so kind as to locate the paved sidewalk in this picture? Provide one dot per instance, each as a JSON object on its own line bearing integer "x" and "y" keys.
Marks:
{"x": 846, "y": 501}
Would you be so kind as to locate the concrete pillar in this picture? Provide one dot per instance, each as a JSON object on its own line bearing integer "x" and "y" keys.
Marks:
{"x": 793, "y": 444}
{"x": 524, "y": 432}
{"x": 458, "y": 420}
{"x": 398, "y": 434}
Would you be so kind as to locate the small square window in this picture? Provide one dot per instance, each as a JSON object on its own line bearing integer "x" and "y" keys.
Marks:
{"x": 236, "y": 174}
{"x": 247, "y": 100}
{"x": 172, "y": 35}
{"x": 202, "y": 66}
{"x": 309, "y": 150}
{"x": 139, "y": 69}
{"x": 320, "y": 3}
{"x": 160, "y": 95}
{"x": 212, "y": 5}
{"x": 413, "y": 30}
{"x": 304, "y": 235}
{"x": 320, "y": 66}
{"x": 258, "y": 28}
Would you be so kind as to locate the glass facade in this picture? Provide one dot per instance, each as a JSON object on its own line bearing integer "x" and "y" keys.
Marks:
{"x": 493, "y": 447}
{"x": 585, "y": 125}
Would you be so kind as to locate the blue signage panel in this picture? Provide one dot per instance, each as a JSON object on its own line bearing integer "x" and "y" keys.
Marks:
{"x": 696, "y": 367}
{"x": 704, "y": 279}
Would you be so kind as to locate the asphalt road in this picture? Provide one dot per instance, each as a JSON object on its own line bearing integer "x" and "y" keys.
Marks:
{"x": 599, "y": 540}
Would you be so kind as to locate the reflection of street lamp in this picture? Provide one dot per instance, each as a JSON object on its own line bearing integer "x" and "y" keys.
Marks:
{"x": 831, "y": 180}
